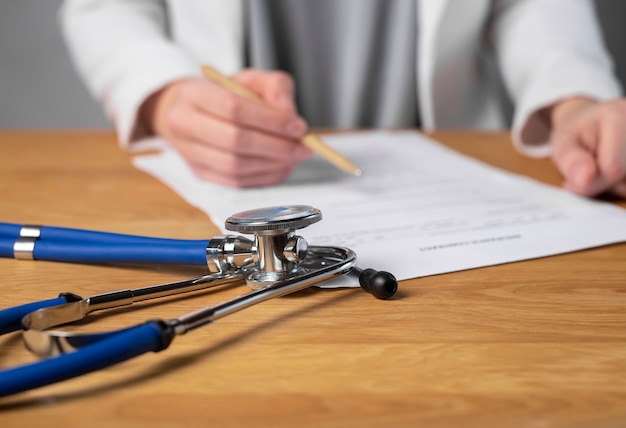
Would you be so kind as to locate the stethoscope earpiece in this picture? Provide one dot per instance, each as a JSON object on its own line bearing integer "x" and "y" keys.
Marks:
{"x": 380, "y": 284}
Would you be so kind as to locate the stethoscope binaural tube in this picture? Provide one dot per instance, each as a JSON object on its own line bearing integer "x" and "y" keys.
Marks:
{"x": 11, "y": 318}
{"x": 101, "y": 350}
{"x": 106, "y": 349}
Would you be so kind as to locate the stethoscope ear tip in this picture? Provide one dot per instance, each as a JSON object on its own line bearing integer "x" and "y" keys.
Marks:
{"x": 381, "y": 284}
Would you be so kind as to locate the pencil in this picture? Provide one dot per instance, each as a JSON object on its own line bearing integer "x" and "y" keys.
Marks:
{"x": 311, "y": 140}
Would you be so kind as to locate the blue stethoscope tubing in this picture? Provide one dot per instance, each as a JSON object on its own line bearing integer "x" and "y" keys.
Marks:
{"x": 11, "y": 318}
{"x": 118, "y": 347}
{"x": 85, "y": 246}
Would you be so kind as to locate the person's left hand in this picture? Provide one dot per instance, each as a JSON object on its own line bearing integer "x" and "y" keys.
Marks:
{"x": 588, "y": 144}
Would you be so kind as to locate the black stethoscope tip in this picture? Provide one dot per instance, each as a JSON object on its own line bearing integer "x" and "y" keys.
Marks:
{"x": 380, "y": 284}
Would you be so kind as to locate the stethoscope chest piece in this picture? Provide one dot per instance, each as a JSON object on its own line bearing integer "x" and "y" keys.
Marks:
{"x": 279, "y": 249}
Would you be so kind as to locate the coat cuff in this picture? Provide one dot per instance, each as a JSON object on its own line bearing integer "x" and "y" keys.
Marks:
{"x": 154, "y": 73}
{"x": 552, "y": 82}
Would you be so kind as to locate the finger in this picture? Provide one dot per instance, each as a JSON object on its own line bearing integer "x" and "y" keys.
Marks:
{"x": 195, "y": 125}
{"x": 225, "y": 162}
{"x": 213, "y": 99}
{"x": 224, "y": 168}
{"x": 259, "y": 180}
{"x": 275, "y": 87}
{"x": 611, "y": 152}
{"x": 575, "y": 162}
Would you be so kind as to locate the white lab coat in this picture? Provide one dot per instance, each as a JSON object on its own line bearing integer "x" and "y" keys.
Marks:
{"x": 545, "y": 50}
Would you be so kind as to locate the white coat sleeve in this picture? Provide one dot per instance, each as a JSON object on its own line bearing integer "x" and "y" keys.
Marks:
{"x": 122, "y": 52}
{"x": 548, "y": 50}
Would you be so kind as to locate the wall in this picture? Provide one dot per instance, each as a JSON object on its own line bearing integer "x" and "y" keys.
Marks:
{"x": 40, "y": 89}
{"x": 38, "y": 85}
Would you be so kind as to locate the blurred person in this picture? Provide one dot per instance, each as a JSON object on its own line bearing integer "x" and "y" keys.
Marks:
{"x": 344, "y": 64}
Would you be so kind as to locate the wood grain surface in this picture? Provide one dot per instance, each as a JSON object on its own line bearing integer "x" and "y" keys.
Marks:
{"x": 539, "y": 343}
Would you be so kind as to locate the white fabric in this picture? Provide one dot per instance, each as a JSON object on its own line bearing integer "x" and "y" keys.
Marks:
{"x": 545, "y": 50}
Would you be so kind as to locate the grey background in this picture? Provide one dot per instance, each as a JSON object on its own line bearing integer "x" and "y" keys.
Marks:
{"x": 39, "y": 88}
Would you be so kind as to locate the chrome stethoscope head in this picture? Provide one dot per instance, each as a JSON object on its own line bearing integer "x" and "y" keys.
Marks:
{"x": 279, "y": 250}
{"x": 276, "y": 253}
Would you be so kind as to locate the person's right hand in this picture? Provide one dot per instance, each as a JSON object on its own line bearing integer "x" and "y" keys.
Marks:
{"x": 228, "y": 139}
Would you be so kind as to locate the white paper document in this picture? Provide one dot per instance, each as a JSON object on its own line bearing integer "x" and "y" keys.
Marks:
{"x": 418, "y": 209}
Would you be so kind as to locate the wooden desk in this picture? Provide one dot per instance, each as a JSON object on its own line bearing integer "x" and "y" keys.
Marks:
{"x": 540, "y": 343}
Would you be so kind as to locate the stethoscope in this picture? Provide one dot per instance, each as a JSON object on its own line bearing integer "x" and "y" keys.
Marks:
{"x": 275, "y": 263}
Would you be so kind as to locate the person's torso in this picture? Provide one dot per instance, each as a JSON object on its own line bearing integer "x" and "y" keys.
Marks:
{"x": 354, "y": 61}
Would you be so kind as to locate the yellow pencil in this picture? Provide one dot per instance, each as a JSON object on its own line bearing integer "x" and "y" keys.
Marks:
{"x": 311, "y": 140}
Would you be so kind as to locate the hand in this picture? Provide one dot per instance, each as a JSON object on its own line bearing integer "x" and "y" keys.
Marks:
{"x": 228, "y": 139}
{"x": 589, "y": 145}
